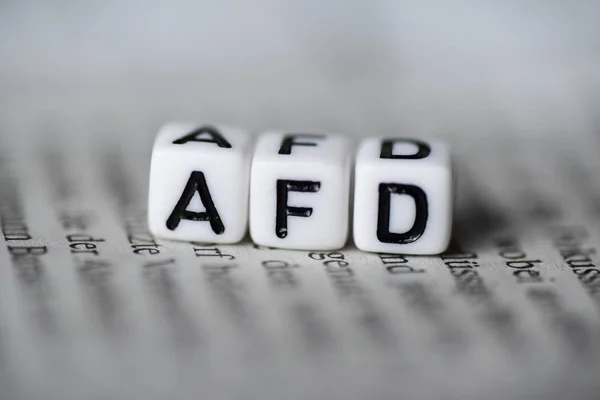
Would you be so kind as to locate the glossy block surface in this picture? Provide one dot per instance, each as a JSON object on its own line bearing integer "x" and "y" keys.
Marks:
{"x": 199, "y": 183}
{"x": 403, "y": 196}
{"x": 300, "y": 190}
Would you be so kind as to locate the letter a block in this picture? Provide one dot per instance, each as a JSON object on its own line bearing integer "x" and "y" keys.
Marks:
{"x": 402, "y": 196}
{"x": 199, "y": 183}
{"x": 299, "y": 191}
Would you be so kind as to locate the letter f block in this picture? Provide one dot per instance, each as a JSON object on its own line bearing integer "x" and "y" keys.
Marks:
{"x": 299, "y": 191}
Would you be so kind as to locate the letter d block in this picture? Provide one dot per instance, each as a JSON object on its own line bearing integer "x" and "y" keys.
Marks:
{"x": 299, "y": 191}
{"x": 199, "y": 183}
{"x": 402, "y": 196}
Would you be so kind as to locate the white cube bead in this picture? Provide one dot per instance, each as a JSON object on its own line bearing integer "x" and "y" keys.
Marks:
{"x": 199, "y": 183}
{"x": 299, "y": 191}
{"x": 403, "y": 196}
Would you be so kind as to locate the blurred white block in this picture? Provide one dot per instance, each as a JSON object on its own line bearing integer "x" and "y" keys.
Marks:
{"x": 403, "y": 196}
{"x": 299, "y": 191}
{"x": 199, "y": 182}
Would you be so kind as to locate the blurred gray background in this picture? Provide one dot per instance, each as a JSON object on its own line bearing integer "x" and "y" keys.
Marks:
{"x": 352, "y": 66}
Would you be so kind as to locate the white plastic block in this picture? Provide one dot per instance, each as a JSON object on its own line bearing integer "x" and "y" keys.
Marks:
{"x": 199, "y": 183}
{"x": 403, "y": 196}
{"x": 299, "y": 191}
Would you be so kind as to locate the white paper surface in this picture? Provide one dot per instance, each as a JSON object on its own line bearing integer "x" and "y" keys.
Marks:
{"x": 108, "y": 312}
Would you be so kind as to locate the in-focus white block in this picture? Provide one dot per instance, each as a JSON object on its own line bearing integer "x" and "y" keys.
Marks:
{"x": 300, "y": 190}
{"x": 199, "y": 183}
{"x": 403, "y": 196}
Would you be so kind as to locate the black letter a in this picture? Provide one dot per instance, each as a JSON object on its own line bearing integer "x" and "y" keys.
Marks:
{"x": 216, "y": 137}
{"x": 196, "y": 183}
